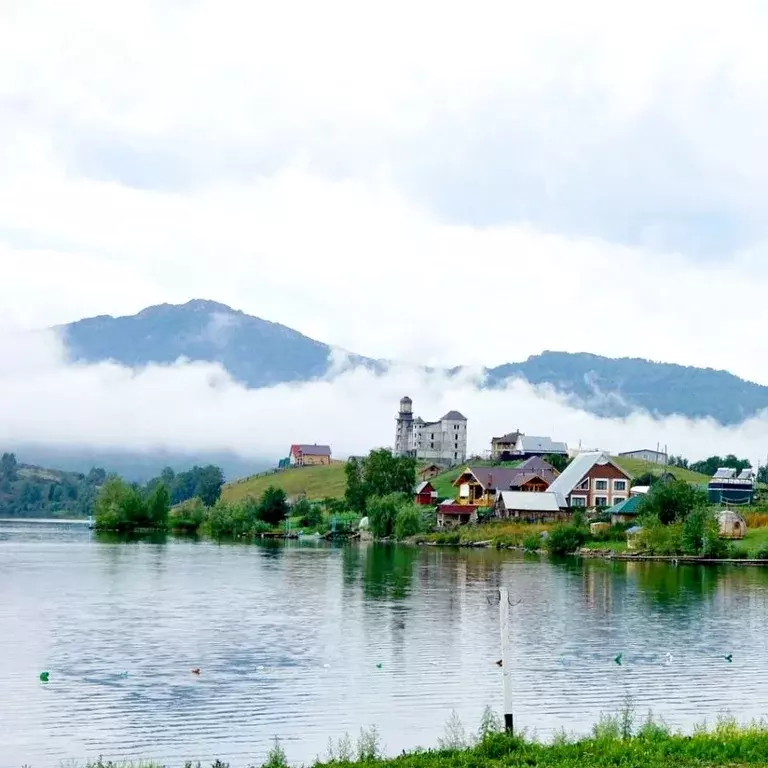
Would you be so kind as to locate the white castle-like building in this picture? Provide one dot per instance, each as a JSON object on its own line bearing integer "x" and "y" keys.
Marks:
{"x": 441, "y": 442}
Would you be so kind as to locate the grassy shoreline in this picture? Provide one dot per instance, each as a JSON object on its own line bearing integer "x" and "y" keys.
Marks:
{"x": 620, "y": 740}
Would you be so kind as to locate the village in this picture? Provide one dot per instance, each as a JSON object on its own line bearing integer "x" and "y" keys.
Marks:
{"x": 536, "y": 479}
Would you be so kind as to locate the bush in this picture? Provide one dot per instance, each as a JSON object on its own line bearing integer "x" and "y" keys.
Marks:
{"x": 310, "y": 515}
{"x": 408, "y": 521}
{"x": 382, "y": 513}
{"x": 565, "y": 539}
{"x": 762, "y": 553}
{"x": 661, "y": 539}
{"x": 532, "y": 542}
{"x": 187, "y": 516}
{"x": 273, "y": 506}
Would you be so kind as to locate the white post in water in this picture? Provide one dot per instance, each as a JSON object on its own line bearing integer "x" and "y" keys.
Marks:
{"x": 505, "y": 669}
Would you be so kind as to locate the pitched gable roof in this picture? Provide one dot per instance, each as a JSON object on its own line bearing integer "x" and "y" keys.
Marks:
{"x": 422, "y": 487}
{"x": 630, "y": 506}
{"x": 311, "y": 450}
{"x": 575, "y": 472}
{"x": 533, "y": 444}
{"x": 453, "y": 416}
{"x": 527, "y": 501}
{"x": 505, "y": 478}
{"x": 510, "y": 437}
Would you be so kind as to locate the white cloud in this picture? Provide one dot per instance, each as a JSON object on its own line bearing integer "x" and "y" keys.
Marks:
{"x": 411, "y": 181}
{"x": 197, "y": 407}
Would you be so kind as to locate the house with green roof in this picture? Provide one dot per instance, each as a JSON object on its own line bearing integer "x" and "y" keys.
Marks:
{"x": 626, "y": 511}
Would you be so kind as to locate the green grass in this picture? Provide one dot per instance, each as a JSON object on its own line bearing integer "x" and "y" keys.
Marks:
{"x": 755, "y": 540}
{"x": 623, "y": 740}
{"x": 324, "y": 482}
{"x": 638, "y": 467}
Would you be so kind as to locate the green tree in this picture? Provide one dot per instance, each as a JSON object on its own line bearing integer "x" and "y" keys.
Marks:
{"x": 672, "y": 502}
{"x": 409, "y": 521}
{"x": 713, "y": 463}
{"x": 188, "y": 516}
{"x": 384, "y": 473}
{"x": 158, "y": 506}
{"x": 558, "y": 461}
{"x": 120, "y": 506}
{"x": 273, "y": 507}
{"x": 310, "y": 515}
{"x": 209, "y": 484}
{"x": 9, "y": 467}
{"x": 382, "y": 513}
{"x": 355, "y": 493}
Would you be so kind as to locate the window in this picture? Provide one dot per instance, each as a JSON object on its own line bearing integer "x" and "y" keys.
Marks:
{"x": 601, "y": 501}
{"x": 432, "y": 436}
{"x": 619, "y": 499}
{"x": 578, "y": 501}
{"x": 619, "y": 485}
{"x": 601, "y": 485}
{"x": 583, "y": 485}
{"x": 455, "y": 455}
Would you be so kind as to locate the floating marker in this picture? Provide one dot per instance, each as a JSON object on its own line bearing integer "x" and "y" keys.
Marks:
{"x": 729, "y": 658}
{"x": 44, "y": 677}
{"x": 668, "y": 657}
{"x": 500, "y": 663}
{"x": 618, "y": 659}
{"x": 379, "y": 665}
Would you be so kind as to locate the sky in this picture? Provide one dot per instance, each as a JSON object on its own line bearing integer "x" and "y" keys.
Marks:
{"x": 448, "y": 183}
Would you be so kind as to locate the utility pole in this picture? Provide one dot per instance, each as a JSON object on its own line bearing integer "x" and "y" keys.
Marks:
{"x": 505, "y": 668}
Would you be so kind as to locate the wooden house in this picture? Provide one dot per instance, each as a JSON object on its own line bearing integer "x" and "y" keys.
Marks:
{"x": 428, "y": 472}
{"x": 478, "y": 486}
{"x": 592, "y": 480}
{"x": 309, "y": 455}
{"x": 425, "y": 494}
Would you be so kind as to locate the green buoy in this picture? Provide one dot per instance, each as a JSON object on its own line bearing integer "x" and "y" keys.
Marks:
{"x": 618, "y": 659}
{"x": 729, "y": 658}
{"x": 44, "y": 677}
{"x": 379, "y": 666}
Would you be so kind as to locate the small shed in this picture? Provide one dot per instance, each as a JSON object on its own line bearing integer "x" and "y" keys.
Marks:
{"x": 731, "y": 525}
{"x": 425, "y": 494}
{"x": 633, "y": 536}
{"x": 428, "y": 472}
{"x": 626, "y": 511}
{"x": 599, "y": 527}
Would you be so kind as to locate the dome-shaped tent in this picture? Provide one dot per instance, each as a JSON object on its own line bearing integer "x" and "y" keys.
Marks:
{"x": 731, "y": 525}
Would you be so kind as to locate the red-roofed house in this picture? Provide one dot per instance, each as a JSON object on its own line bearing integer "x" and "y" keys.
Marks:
{"x": 309, "y": 455}
{"x": 425, "y": 494}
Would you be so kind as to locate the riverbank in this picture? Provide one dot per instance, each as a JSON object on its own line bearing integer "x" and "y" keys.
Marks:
{"x": 615, "y": 741}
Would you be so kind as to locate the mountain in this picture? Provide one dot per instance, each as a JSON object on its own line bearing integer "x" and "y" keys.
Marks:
{"x": 256, "y": 352}
{"x": 259, "y": 353}
{"x": 617, "y": 387}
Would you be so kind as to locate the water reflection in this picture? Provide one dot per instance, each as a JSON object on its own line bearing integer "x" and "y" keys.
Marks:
{"x": 307, "y": 640}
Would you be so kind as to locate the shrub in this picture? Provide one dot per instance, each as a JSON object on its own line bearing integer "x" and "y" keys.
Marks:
{"x": 565, "y": 539}
{"x": 408, "y": 521}
{"x": 661, "y": 539}
{"x": 273, "y": 506}
{"x": 762, "y": 553}
{"x": 382, "y": 513}
{"x": 532, "y": 542}
{"x": 187, "y": 516}
{"x": 310, "y": 515}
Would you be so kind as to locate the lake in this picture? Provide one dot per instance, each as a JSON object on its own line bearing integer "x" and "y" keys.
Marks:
{"x": 309, "y": 641}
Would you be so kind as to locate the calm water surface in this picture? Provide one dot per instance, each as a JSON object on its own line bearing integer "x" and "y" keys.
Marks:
{"x": 289, "y": 640}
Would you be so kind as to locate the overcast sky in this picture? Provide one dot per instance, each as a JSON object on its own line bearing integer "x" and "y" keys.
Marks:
{"x": 452, "y": 182}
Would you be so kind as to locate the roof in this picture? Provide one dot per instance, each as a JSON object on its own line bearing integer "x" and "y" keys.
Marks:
{"x": 727, "y": 516}
{"x": 746, "y": 474}
{"x": 510, "y": 437}
{"x": 640, "y": 489}
{"x": 453, "y": 416}
{"x": 643, "y": 450}
{"x": 574, "y": 473}
{"x": 450, "y": 507}
{"x": 630, "y": 506}
{"x": 528, "y": 501}
{"x": 725, "y": 472}
{"x": 506, "y": 478}
{"x": 311, "y": 450}
{"x": 533, "y": 444}
{"x": 418, "y": 420}
{"x": 635, "y": 529}
{"x": 421, "y": 487}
